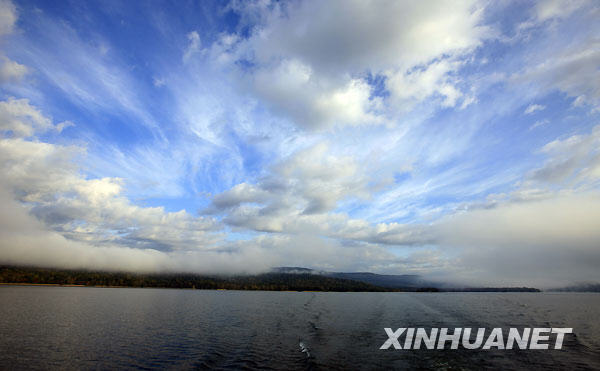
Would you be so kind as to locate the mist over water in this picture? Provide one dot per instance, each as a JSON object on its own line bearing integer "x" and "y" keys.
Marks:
{"x": 103, "y": 328}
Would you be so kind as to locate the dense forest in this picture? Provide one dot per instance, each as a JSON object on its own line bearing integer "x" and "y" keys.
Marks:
{"x": 266, "y": 281}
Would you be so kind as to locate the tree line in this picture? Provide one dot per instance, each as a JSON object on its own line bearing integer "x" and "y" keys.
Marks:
{"x": 265, "y": 281}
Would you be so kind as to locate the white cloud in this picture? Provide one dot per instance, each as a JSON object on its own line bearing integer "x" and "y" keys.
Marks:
{"x": 93, "y": 210}
{"x": 158, "y": 82}
{"x": 573, "y": 161}
{"x": 293, "y": 88}
{"x": 544, "y": 243}
{"x": 311, "y": 57}
{"x": 193, "y": 46}
{"x": 539, "y": 123}
{"x": 309, "y": 250}
{"x": 550, "y": 9}
{"x": 533, "y": 108}
{"x": 20, "y": 119}
{"x": 300, "y": 196}
{"x": 11, "y": 70}
{"x": 46, "y": 177}
{"x": 353, "y": 35}
{"x": 8, "y": 17}
{"x": 239, "y": 194}
{"x": 573, "y": 71}
{"x": 309, "y": 182}
{"x": 411, "y": 87}
{"x": 539, "y": 234}
{"x": 27, "y": 241}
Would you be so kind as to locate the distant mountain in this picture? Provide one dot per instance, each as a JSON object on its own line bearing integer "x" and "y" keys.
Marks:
{"x": 395, "y": 281}
{"x": 385, "y": 280}
{"x": 400, "y": 282}
{"x": 581, "y": 287}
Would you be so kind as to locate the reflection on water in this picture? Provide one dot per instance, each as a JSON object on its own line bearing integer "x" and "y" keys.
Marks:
{"x": 92, "y": 328}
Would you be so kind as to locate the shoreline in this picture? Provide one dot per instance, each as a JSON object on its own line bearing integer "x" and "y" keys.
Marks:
{"x": 203, "y": 289}
{"x": 167, "y": 288}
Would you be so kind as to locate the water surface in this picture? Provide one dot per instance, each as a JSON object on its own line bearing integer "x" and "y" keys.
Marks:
{"x": 108, "y": 328}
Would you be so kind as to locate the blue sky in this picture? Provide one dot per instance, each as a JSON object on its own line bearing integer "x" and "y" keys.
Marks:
{"x": 236, "y": 136}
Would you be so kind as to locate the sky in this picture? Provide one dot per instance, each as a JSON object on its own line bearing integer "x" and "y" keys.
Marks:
{"x": 457, "y": 140}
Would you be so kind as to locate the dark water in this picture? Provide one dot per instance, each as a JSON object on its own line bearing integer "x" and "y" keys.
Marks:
{"x": 102, "y": 328}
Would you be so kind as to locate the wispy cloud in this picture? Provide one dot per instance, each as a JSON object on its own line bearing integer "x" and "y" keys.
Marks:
{"x": 534, "y": 107}
{"x": 193, "y": 46}
{"x": 539, "y": 123}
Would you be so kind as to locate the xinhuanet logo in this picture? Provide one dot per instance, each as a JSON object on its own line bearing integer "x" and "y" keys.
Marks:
{"x": 436, "y": 338}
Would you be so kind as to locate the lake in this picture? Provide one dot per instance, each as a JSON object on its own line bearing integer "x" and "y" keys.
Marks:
{"x": 116, "y": 328}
